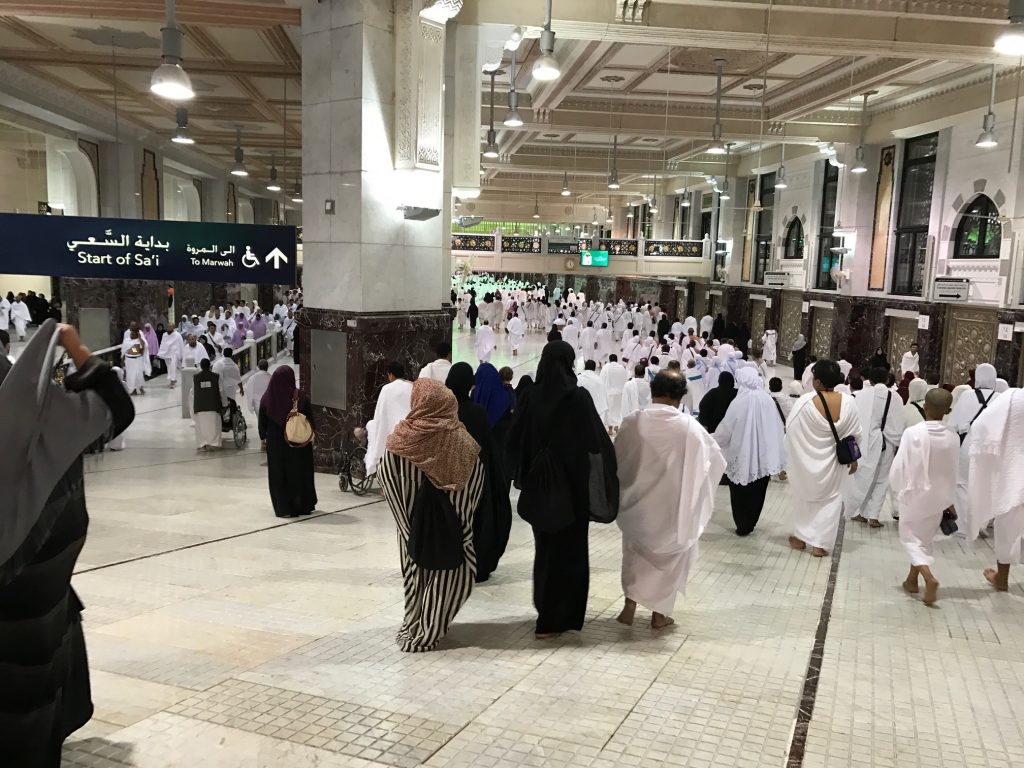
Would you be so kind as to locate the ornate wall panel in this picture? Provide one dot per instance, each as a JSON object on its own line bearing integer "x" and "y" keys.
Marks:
{"x": 883, "y": 212}
{"x": 789, "y": 328}
{"x": 700, "y": 301}
{"x": 748, "y": 229}
{"x": 430, "y": 109}
{"x": 757, "y": 315}
{"x": 681, "y": 302}
{"x": 821, "y": 332}
{"x": 970, "y": 341}
{"x": 902, "y": 333}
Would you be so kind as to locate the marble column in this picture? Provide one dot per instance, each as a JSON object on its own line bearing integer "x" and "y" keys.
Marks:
{"x": 373, "y": 151}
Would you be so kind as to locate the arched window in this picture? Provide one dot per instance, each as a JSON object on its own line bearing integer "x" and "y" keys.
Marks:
{"x": 795, "y": 240}
{"x": 980, "y": 233}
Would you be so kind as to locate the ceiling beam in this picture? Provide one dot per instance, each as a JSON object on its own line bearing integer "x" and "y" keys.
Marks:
{"x": 223, "y": 13}
{"x": 59, "y": 57}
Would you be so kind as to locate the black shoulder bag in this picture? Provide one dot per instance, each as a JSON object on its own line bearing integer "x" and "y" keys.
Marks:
{"x": 435, "y": 532}
{"x": 545, "y": 499}
{"x": 984, "y": 404}
{"x": 847, "y": 450}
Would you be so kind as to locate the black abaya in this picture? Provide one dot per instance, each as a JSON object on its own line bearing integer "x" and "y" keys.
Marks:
{"x": 289, "y": 469}
{"x": 747, "y": 502}
{"x": 716, "y": 402}
{"x": 799, "y": 363}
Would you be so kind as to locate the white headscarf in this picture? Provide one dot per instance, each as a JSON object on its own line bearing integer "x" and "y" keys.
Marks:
{"x": 985, "y": 376}
{"x": 751, "y": 434}
{"x": 1002, "y": 385}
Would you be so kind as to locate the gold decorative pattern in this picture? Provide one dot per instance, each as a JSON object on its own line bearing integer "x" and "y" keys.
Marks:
{"x": 883, "y": 211}
{"x": 821, "y": 333}
{"x": 970, "y": 341}
{"x": 757, "y": 314}
{"x": 789, "y": 327}
{"x": 902, "y": 333}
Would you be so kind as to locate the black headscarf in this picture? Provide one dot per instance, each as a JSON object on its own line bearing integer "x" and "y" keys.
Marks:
{"x": 716, "y": 402}
{"x": 555, "y": 379}
{"x": 523, "y": 390}
{"x": 460, "y": 380}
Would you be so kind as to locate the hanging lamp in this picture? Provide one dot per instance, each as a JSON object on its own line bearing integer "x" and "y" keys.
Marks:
{"x": 272, "y": 185}
{"x": 491, "y": 149}
{"x": 717, "y": 147}
{"x": 613, "y": 177}
{"x": 181, "y": 133}
{"x": 1011, "y": 40}
{"x": 170, "y": 81}
{"x": 566, "y": 192}
{"x": 239, "y": 169}
{"x": 547, "y": 68}
{"x": 512, "y": 118}
{"x": 987, "y": 139}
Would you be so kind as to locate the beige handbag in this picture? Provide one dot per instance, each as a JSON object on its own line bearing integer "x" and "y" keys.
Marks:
{"x": 298, "y": 432}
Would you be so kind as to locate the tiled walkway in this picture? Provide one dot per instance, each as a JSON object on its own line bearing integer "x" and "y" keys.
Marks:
{"x": 239, "y": 641}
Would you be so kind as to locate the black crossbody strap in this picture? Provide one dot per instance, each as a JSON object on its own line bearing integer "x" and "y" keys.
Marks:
{"x": 828, "y": 416}
{"x": 779, "y": 409}
{"x": 984, "y": 404}
{"x": 885, "y": 416}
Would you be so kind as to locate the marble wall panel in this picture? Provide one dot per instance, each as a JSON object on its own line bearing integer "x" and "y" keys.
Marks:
{"x": 374, "y": 340}
{"x": 144, "y": 301}
{"x": 1009, "y": 358}
{"x": 192, "y": 298}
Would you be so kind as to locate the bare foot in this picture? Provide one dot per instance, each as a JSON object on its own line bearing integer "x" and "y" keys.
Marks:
{"x": 911, "y": 587}
{"x": 628, "y": 613}
{"x": 931, "y": 591}
{"x": 859, "y": 519}
{"x": 796, "y": 543}
{"x": 992, "y": 575}
{"x": 660, "y": 622}
{"x": 819, "y": 552}
{"x": 876, "y": 524}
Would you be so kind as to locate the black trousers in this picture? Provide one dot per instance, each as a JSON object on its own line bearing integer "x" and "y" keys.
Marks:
{"x": 747, "y": 503}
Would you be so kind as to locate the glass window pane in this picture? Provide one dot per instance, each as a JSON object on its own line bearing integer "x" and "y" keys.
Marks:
{"x": 922, "y": 147}
{"x": 916, "y": 200}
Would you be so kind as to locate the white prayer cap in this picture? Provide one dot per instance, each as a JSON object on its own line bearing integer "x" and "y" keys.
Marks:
{"x": 796, "y": 388}
{"x": 1002, "y": 385}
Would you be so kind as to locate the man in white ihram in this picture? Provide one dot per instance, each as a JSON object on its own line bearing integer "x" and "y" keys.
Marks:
{"x": 438, "y": 370}
{"x": 614, "y": 377}
{"x": 669, "y": 468}
{"x": 590, "y": 380}
{"x": 880, "y": 413}
{"x": 393, "y": 405}
{"x": 20, "y": 316}
{"x": 911, "y": 362}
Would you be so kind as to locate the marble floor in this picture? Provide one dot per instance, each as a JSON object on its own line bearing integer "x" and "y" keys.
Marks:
{"x": 221, "y": 636}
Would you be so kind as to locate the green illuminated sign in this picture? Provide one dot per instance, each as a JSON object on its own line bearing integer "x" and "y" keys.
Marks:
{"x": 594, "y": 258}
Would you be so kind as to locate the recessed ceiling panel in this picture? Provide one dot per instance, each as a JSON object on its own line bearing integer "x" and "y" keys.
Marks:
{"x": 795, "y": 66}
{"x": 637, "y": 56}
{"x": 931, "y": 72}
{"x": 612, "y": 79}
{"x": 660, "y": 82}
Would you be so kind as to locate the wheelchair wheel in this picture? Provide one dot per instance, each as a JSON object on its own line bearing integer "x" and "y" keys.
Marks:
{"x": 240, "y": 430}
{"x": 358, "y": 479}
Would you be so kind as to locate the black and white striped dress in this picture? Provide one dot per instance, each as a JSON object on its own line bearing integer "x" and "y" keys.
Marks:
{"x": 432, "y": 598}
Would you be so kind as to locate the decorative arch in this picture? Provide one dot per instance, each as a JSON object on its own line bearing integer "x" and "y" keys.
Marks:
{"x": 979, "y": 235}
{"x": 794, "y": 245}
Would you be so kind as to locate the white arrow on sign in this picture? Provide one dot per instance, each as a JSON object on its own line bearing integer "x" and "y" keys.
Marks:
{"x": 278, "y": 256}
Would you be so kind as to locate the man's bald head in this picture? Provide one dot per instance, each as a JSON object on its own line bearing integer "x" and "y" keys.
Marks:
{"x": 937, "y": 403}
{"x": 668, "y": 388}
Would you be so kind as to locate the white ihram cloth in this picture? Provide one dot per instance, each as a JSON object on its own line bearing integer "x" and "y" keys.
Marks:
{"x": 5, "y": 313}
{"x": 690, "y": 323}
{"x": 591, "y": 381}
{"x": 230, "y": 379}
{"x": 962, "y": 419}
{"x": 172, "y": 351}
{"x": 911, "y": 414}
{"x": 588, "y": 344}
{"x": 614, "y": 377}
{"x": 866, "y": 490}
{"x": 21, "y": 317}
{"x": 255, "y": 388}
{"x": 605, "y": 345}
{"x": 632, "y": 350}
{"x": 192, "y": 356}
{"x": 393, "y": 405}
{"x": 770, "y": 346}
{"x": 571, "y": 335}
{"x": 484, "y": 343}
{"x": 437, "y": 370}
{"x": 706, "y": 324}
{"x": 751, "y": 435}
{"x": 923, "y": 480}
{"x": 208, "y": 425}
{"x": 137, "y": 367}
{"x": 815, "y": 476}
{"x": 636, "y": 395}
{"x": 996, "y": 455}
{"x": 516, "y": 332}
{"x": 668, "y": 471}
{"x": 695, "y": 390}
{"x": 911, "y": 363}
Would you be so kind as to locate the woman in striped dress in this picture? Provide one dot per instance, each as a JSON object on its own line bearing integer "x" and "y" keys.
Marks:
{"x": 431, "y": 443}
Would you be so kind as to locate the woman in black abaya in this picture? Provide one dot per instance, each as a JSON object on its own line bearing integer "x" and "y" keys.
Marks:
{"x": 44, "y": 673}
{"x": 716, "y": 402}
{"x": 289, "y": 468}
{"x": 561, "y": 568}
{"x": 492, "y": 520}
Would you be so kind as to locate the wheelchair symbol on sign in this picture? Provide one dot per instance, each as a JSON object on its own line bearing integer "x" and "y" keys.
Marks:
{"x": 250, "y": 259}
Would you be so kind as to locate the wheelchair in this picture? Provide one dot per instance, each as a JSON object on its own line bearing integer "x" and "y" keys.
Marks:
{"x": 232, "y": 420}
{"x": 352, "y": 474}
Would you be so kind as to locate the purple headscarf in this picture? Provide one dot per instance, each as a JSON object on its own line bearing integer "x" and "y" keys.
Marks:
{"x": 240, "y": 318}
{"x": 258, "y": 326}
{"x": 151, "y": 340}
{"x": 280, "y": 394}
{"x": 238, "y": 337}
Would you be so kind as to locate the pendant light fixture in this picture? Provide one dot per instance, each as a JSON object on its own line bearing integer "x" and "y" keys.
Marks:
{"x": 780, "y": 175}
{"x": 181, "y": 133}
{"x": 297, "y": 194}
{"x": 717, "y": 147}
{"x": 546, "y": 68}
{"x": 839, "y": 230}
{"x": 723, "y": 193}
{"x": 987, "y": 139}
{"x": 859, "y": 166}
{"x": 1011, "y": 40}
{"x": 239, "y": 169}
{"x": 595, "y": 222}
{"x": 512, "y": 118}
{"x": 491, "y": 150}
{"x": 609, "y": 220}
{"x": 566, "y": 192}
{"x": 170, "y": 81}
{"x": 272, "y": 185}
{"x": 613, "y": 177}
{"x": 536, "y": 206}
{"x": 684, "y": 202}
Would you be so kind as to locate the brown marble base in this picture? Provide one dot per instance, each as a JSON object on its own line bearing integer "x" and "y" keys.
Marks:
{"x": 374, "y": 340}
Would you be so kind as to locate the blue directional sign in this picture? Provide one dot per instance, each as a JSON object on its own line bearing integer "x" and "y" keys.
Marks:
{"x": 79, "y": 246}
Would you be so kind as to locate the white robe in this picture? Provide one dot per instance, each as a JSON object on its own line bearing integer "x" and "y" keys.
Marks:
{"x": 636, "y": 395}
{"x": 255, "y": 388}
{"x": 591, "y": 381}
{"x": 770, "y": 344}
{"x": 484, "y": 343}
{"x": 911, "y": 363}
{"x": 815, "y": 476}
{"x": 21, "y": 317}
{"x": 437, "y": 370}
{"x": 5, "y": 313}
{"x": 614, "y": 377}
{"x": 995, "y": 450}
{"x": 866, "y": 491}
{"x": 192, "y": 356}
{"x": 230, "y": 379}
{"x": 588, "y": 344}
{"x": 706, "y": 324}
{"x": 136, "y": 368}
{"x": 393, "y": 405}
{"x": 632, "y": 350}
{"x": 208, "y": 429}
{"x": 668, "y": 471}
{"x": 516, "y": 333}
{"x": 923, "y": 482}
{"x": 605, "y": 345}
{"x": 172, "y": 351}
{"x": 695, "y": 390}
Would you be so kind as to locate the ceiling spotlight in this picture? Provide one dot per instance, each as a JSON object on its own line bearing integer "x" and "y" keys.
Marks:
{"x": 272, "y": 185}
{"x": 780, "y": 178}
{"x": 717, "y": 147}
{"x": 297, "y": 194}
{"x": 613, "y": 177}
{"x": 181, "y": 134}
{"x": 859, "y": 166}
{"x": 987, "y": 139}
{"x": 685, "y": 202}
{"x": 723, "y": 193}
{"x": 514, "y": 39}
{"x": 239, "y": 169}
{"x": 629, "y": 214}
{"x": 536, "y": 207}
{"x": 546, "y": 68}
{"x": 512, "y": 118}
{"x": 491, "y": 150}
{"x": 757, "y": 207}
{"x": 654, "y": 205}
{"x": 1011, "y": 40}
{"x": 594, "y": 222}
{"x": 565, "y": 185}
{"x": 170, "y": 81}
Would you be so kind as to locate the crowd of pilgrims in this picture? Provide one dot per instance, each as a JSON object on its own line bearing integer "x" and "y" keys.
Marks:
{"x": 653, "y": 436}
